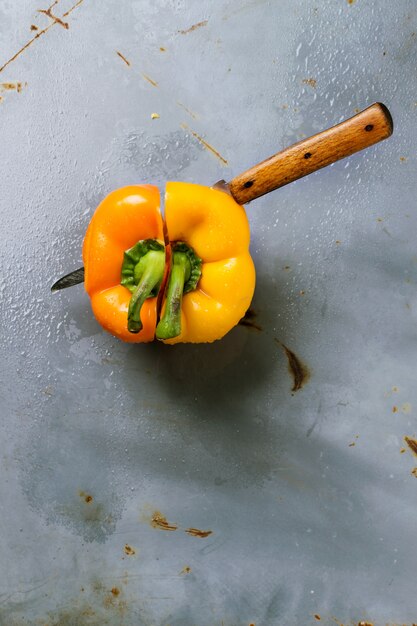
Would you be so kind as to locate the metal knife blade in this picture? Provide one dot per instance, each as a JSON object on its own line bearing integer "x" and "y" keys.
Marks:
{"x": 69, "y": 280}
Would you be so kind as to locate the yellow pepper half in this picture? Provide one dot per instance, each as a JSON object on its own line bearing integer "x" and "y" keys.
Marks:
{"x": 216, "y": 228}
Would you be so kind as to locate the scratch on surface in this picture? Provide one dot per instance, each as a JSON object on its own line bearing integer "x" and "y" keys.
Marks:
{"x": 57, "y": 20}
{"x": 297, "y": 369}
{"x": 39, "y": 34}
{"x": 205, "y": 144}
{"x": 193, "y": 27}
{"x": 123, "y": 58}
{"x": 412, "y": 444}
{"x": 193, "y": 115}
{"x": 150, "y": 80}
{"x": 160, "y": 521}
{"x": 196, "y": 532}
{"x": 75, "y": 6}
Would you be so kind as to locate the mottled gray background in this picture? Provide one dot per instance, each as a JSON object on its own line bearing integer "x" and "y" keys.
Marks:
{"x": 303, "y": 522}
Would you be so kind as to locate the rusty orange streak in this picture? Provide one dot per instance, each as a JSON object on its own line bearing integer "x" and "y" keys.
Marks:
{"x": 53, "y": 17}
{"x": 150, "y": 80}
{"x": 412, "y": 444}
{"x": 193, "y": 115}
{"x": 39, "y": 34}
{"x": 196, "y": 532}
{"x": 123, "y": 58}
{"x": 76, "y": 5}
{"x": 193, "y": 27}
{"x": 205, "y": 144}
{"x": 160, "y": 521}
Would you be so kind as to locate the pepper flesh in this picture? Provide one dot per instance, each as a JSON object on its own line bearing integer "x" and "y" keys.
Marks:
{"x": 123, "y": 218}
{"x": 217, "y": 229}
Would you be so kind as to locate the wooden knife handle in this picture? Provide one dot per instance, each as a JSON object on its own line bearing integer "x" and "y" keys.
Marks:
{"x": 360, "y": 131}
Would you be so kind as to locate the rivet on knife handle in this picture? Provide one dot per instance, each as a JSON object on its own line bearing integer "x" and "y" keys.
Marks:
{"x": 358, "y": 132}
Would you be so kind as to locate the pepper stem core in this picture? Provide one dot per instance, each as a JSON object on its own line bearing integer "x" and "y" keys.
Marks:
{"x": 142, "y": 273}
{"x": 184, "y": 276}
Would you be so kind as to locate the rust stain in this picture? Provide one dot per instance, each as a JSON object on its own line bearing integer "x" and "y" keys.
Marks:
{"x": 414, "y": 471}
{"x": 53, "y": 17}
{"x": 249, "y": 320}
{"x": 402, "y": 450}
{"x": 123, "y": 58}
{"x": 87, "y": 497}
{"x": 12, "y": 86}
{"x": 394, "y": 409}
{"x": 193, "y": 115}
{"x": 115, "y": 591}
{"x": 193, "y": 27}
{"x": 365, "y": 624}
{"x": 317, "y": 617}
{"x": 403, "y": 159}
{"x": 412, "y": 444}
{"x": 74, "y": 6}
{"x": 33, "y": 27}
{"x": 129, "y": 550}
{"x": 297, "y": 369}
{"x": 160, "y": 521}
{"x": 351, "y": 1}
{"x": 310, "y": 81}
{"x": 39, "y": 34}
{"x": 162, "y": 49}
{"x": 150, "y": 80}
{"x": 196, "y": 532}
{"x": 205, "y": 144}
{"x": 185, "y": 570}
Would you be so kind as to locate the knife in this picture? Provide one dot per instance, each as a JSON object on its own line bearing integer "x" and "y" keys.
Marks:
{"x": 361, "y": 131}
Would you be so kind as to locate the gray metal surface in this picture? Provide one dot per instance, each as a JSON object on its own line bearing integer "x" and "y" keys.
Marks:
{"x": 311, "y": 504}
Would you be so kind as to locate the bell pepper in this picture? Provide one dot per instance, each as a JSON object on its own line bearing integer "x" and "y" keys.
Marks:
{"x": 216, "y": 229}
{"x": 205, "y": 276}
{"x": 126, "y": 232}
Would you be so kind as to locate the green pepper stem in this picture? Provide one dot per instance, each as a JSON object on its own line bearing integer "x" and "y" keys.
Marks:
{"x": 153, "y": 265}
{"x": 170, "y": 323}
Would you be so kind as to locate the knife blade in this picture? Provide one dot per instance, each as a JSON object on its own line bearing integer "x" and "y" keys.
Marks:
{"x": 69, "y": 280}
{"x": 361, "y": 131}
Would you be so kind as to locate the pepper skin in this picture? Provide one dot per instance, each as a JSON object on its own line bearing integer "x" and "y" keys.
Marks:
{"x": 123, "y": 218}
{"x": 216, "y": 228}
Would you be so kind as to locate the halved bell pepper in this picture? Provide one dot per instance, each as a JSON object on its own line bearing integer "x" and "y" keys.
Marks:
{"x": 207, "y": 268}
{"x": 124, "y": 243}
{"x": 215, "y": 230}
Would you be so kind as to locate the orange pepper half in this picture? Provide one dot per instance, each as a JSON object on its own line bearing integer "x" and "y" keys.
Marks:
{"x": 125, "y": 217}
